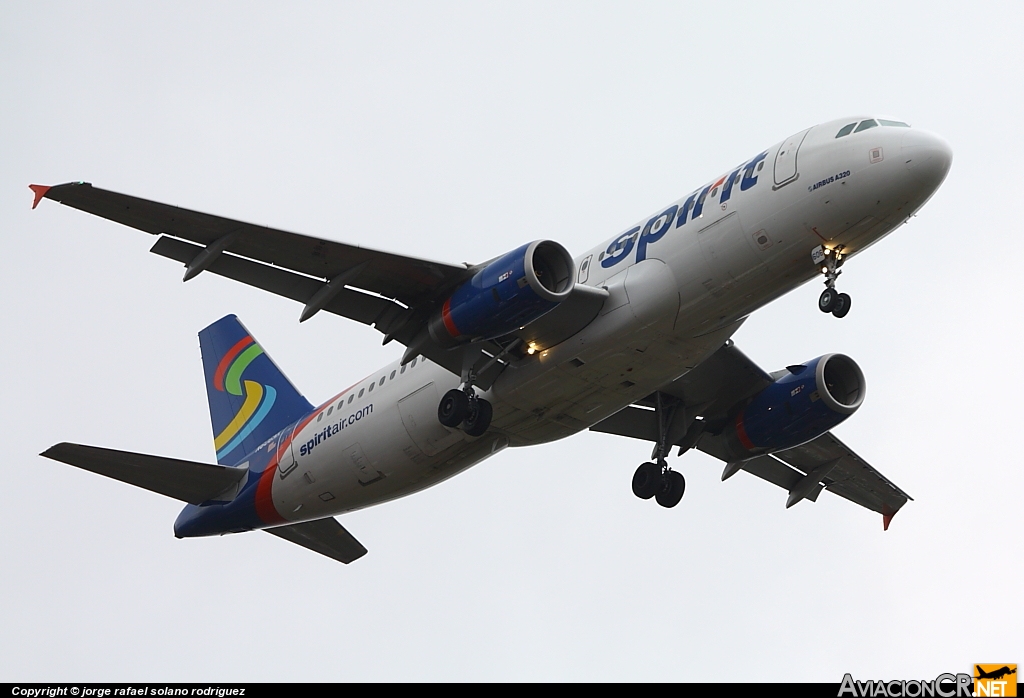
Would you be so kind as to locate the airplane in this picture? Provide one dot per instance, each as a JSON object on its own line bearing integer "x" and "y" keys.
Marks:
{"x": 631, "y": 337}
{"x": 994, "y": 674}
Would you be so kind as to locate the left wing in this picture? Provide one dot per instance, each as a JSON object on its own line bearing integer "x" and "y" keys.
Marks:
{"x": 706, "y": 396}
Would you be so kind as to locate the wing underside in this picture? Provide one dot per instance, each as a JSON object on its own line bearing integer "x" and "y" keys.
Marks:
{"x": 704, "y": 398}
{"x": 393, "y": 293}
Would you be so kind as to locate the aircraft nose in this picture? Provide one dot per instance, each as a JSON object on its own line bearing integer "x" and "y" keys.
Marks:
{"x": 926, "y": 155}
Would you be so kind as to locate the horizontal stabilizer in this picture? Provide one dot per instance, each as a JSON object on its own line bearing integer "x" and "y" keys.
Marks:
{"x": 324, "y": 536}
{"x": 184, "y": 480}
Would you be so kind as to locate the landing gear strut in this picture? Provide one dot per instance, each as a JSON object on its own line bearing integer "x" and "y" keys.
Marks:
{"x": 463, "y": 407}
{"x": 830, "y": 300}
{"x": 657, "y": 479}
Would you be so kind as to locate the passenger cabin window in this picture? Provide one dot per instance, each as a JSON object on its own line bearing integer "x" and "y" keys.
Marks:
{"x": 846, "y": 130}
{"x": 381, "y": 381}
{"x": 403, "y": 368}
{"x": 886, "y": 122}
{"x": 372, "y": 386}
{"x": 393, "y": 375}
{"x": 329, "y": 410}
{"x": 412, "y": 364}
{"x": 865, "y": 125}
{"x": 350, "y": 399}
{"x": 320, "y": 416}
{"x": 361, "y": 391}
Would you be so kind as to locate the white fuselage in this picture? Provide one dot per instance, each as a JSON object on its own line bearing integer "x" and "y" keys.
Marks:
{"x": 727, "y": 248}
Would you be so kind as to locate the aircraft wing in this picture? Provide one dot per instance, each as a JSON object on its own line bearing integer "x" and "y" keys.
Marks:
{"x": 393, "y": 293}
{"x": 705, "y": 396}
{"x": 406, "y": 279}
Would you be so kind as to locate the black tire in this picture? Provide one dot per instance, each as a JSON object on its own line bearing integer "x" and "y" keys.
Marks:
{"x": 647, "y": 480}
{"x": 453, "y": 408}
{"x": 827, "y": 300}
{"x": 842, "y": 305}
{"x": 670, "y": 495}
{"x": 479, "y": 417}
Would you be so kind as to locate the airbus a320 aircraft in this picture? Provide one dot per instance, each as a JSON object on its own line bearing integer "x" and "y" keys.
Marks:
{"x": 629, "y": 338}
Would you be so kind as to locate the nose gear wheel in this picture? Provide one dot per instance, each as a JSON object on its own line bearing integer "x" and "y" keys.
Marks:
{"x": 830, "y": 300}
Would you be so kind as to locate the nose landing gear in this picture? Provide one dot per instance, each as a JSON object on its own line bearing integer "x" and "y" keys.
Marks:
{"x": 830, "y": 300}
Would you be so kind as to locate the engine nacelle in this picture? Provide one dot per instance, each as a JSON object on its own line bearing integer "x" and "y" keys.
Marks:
{"x": 801, "y": 406}
{"x": 513, "y": 290}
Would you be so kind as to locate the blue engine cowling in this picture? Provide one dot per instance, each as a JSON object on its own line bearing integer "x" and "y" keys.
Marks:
{"x": 798, "y": 407}
{"x": 513, "y": 290}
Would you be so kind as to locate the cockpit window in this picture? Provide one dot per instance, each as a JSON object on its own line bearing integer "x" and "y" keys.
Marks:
{"x": 886, "y": 122}
{"x": 846, "y": 130}
{"x": 865, "y": 125}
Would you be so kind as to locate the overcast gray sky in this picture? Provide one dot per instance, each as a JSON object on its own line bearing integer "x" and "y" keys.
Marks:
{"x": 457, "y": 131}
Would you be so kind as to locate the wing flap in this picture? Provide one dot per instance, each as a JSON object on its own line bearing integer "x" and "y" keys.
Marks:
{"x": 775, "y": 472}
{"x": 187, "y": 481}
{"x": 361, "y": 307}
{"x": 324, "y": 536}
{"x": 634, "y": 422}
{"x": 851, "y": 478}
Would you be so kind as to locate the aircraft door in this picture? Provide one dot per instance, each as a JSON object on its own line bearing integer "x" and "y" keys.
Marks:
{"x": 286, "y": 456}
{"x": 785, "y": 160}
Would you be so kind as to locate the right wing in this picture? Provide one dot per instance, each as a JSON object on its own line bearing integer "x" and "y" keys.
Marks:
{"x": 324, "y": 536}
{"x": 393, "y": 293}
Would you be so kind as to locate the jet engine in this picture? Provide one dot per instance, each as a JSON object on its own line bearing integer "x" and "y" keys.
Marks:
{"x": 511, "y": 291}
{"x": 798, "y": 407}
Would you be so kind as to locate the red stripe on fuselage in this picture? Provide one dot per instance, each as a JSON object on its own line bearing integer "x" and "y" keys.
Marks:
{"x": 446, "y": 316}
{"x": 222, "y": 367}
{"x": 265, "y": 508}
{"x": 741, "y": 433}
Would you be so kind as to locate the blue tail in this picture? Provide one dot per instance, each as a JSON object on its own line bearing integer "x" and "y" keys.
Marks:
{"x": 250, "y": 398}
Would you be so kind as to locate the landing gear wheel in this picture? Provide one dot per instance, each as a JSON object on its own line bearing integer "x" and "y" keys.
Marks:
{"x": 478, "y": 418}
{"x": 672, "y": 491}
{"x": 647, "y": 480}
{"x": 827, "y": 300}
{"x": 453, "y": 409}
{"x": 842, "y": 305}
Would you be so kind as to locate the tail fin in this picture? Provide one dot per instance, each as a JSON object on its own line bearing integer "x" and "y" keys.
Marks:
{"x": 250, "y": 398}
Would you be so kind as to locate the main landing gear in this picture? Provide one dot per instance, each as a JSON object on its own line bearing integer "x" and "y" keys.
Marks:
{"x": 466, "y": 409}
{"x": 657, "y": 479}
{"x": 830, "y": 300}
{"x": 462, "y": 407}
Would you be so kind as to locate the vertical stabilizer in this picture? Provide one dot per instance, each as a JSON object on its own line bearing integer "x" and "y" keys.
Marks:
{"x": 250, "y": 398}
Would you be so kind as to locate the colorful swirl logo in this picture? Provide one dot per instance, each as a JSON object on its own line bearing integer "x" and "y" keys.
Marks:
{"x": 259, "y": 399}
